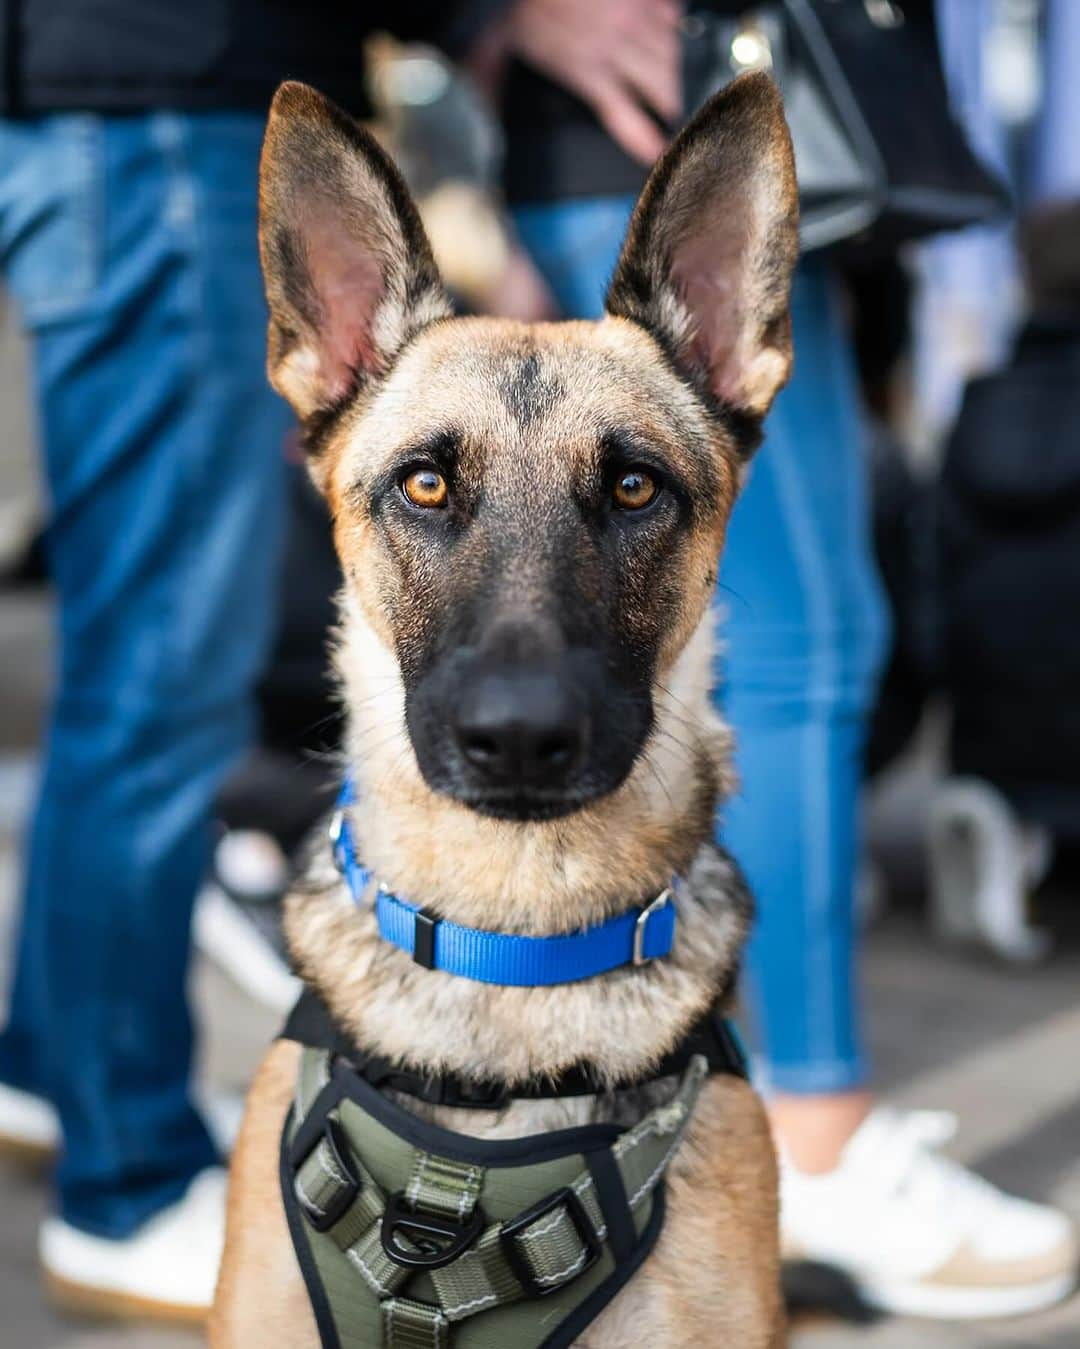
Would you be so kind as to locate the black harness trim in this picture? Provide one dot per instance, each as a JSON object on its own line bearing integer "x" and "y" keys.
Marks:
{"x": 320, "y": 1305}
{"x": 586, "y": 1312}
{"x": 310, "y": 1023}
{"x": 611, "y": 1192}
{"x": 503, "y": 1152}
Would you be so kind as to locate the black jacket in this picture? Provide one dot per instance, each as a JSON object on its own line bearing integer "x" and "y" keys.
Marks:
{"x": 131, "y": 55}
{"x": 1009, "y": 535}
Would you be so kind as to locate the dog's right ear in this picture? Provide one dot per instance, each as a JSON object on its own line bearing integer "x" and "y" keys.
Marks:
{"x": 349, "y": 272}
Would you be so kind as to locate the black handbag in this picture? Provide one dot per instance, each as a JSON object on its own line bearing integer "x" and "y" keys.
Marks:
{"x": 879, "y": 155}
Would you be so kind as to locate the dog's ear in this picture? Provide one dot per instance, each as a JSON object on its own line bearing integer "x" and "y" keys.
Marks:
{"x": 349, "y": 273}
{"x": 712, "y": 245}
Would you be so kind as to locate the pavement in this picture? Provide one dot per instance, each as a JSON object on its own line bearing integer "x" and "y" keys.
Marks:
{"x": 999, "y": 1046}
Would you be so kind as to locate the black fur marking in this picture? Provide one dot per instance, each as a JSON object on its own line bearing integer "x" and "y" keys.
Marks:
{"x": 745, "y": 427}
{"x": 529, "y": 391}
{"x": 319, "y": 427}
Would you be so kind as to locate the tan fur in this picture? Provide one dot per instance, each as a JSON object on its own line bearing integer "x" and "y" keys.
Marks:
{"x": 531, "y": 410}
{"x": 261, "y": 1299}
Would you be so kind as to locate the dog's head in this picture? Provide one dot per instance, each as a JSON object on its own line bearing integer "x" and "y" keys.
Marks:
{"x": 529, "y": 517}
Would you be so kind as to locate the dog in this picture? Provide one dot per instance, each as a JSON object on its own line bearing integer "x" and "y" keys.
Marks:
{"x": 529, "y": 520}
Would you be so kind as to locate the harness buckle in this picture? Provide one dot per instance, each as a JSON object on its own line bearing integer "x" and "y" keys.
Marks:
{"x": 582, "y": 1226}
{"x": 662, "y": 899}
{"x": 322, "y": 1218}
{"x": 437, "y": 1240}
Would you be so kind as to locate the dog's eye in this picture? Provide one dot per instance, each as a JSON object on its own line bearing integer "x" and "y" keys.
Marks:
{"x": 426, "y": 487}
{"x": 634, "y": 490}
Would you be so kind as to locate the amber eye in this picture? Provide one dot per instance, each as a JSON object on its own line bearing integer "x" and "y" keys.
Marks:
{"x": 634, "y": 489}
{"x": 426, "y": 487}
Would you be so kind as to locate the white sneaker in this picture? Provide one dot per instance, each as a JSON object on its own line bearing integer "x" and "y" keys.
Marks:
{"x": 29, "y": 1127}
{"x": 919, "y": 1234}
{"x": 237, "y": 921}
{"x": 166, "y": 1271}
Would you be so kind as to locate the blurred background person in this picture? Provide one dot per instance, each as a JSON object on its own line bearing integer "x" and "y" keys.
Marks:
{"x": 1006, "y": 517}
{"x": 129, "y": 147}
{"x": 588, "y": 95}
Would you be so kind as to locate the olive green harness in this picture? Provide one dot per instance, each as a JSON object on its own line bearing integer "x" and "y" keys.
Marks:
{"x": 414, "y": 1237}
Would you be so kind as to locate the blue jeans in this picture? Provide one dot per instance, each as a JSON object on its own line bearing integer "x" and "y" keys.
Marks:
{"x": 803, "y": 640}
{"x": 129, "y": 246}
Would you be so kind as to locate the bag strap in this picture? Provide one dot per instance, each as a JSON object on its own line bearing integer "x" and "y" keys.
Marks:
{"x": 435, "y": 1224}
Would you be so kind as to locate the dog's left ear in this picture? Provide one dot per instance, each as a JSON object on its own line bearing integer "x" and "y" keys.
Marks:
{"x": 349, "y": 272}
{"x": 712, "y": 245}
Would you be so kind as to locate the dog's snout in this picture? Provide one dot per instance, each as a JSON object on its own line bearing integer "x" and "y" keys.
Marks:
{"x": 525, "y": 726}
{"x": 521, "y": 728}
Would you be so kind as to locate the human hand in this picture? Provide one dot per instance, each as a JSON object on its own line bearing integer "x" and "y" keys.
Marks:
{"x": 621, "y": 56}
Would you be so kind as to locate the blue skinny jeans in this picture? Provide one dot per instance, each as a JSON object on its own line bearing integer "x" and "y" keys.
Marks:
{"x": 804, "y": 631}
{"x": 129, "y": 246}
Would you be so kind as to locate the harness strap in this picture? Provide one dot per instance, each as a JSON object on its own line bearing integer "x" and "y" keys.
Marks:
{"x": 414, "y": 1325}
{"x": 387, "y": 1239}
{"x": 442, "y": 1185}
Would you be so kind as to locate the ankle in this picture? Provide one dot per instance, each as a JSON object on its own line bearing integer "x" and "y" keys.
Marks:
{"x": 814, "y": 1130}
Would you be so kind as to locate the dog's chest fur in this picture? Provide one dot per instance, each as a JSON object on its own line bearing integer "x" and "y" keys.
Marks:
{"x": 623, "y": 1023}
{"x": 536, "y": 879}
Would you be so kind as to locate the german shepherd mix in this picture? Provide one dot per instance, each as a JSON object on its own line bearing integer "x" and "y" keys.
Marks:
{"x": 529, "y": 519}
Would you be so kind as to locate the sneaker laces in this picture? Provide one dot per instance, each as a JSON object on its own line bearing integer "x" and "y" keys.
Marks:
{"x": 908, "y": 1165}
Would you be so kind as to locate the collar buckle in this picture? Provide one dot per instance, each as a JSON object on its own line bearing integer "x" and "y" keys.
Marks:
{"x": 662, "y": 899}
{"x": 334, "y": 833}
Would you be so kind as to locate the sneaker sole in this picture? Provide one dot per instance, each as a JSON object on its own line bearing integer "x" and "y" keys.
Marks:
{"x": 235, "y": 947}
{"x": 34, "y": 1156}
{"x": 966, "y": 1304}
{"x": 106, "y": 1304}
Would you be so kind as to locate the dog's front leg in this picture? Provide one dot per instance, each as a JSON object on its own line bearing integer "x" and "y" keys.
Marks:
{"x": 261, "y": 1299}
{"x": 714, "y": 1278}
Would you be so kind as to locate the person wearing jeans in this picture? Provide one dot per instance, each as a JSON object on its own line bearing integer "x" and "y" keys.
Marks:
{"x": 585, "y": 93}
{"x": 802, "y": 636}
{"x": 127, "y": 243}
{"x": 129, "y": 146}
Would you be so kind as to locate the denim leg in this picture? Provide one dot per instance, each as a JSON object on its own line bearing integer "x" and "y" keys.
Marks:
{"x": 163, "y": 455}
{"x": 576, "y": 245}
{"x": 804, "y": 636}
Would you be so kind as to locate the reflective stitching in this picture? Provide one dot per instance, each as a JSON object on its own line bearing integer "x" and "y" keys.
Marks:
{"x": 581, "y": 1189}
{"x": 374, "y": 1283}
{"x": 565, "y": 1273}
{"x": 468, "y": 1306}
{"x": 328, "y": 1161}
{"x": 305, "y": 1198}
{"x": 413, "y": 1192}
{"x": 531, "y": 1233}
{"x": 647, "y": 1184}
{"x": 467, "y": 1192}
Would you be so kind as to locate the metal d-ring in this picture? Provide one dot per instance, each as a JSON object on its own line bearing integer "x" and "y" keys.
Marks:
{"x": 664, "y": 897}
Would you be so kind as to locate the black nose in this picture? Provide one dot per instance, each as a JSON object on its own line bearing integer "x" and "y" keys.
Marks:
{"x": 521, "y": 728}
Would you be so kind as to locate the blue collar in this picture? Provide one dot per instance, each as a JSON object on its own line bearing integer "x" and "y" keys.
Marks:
{"x": 632, "y": 938}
